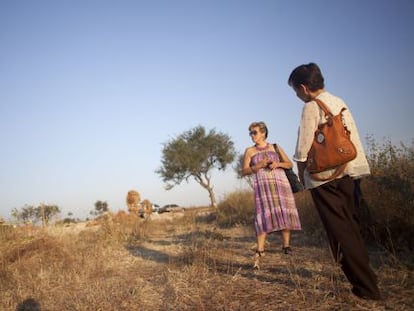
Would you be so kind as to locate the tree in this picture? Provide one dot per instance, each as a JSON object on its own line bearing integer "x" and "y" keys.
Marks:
{"x": 43, "y": 212}
{"x": 238, "y": 169}
{"x": 69, "y": 219}
{"x": 194, "y": 154}
{"x": 25, "y": 214}
{"x": 100, "y": 208}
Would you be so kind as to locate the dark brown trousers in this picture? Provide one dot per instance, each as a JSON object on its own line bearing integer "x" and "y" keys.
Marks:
{"x": 335, "y": 202}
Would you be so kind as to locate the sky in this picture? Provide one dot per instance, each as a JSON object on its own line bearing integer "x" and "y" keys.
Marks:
{"x": 90, "y": 91}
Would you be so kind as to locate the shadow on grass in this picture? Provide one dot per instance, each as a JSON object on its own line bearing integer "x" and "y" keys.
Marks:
{"x": 29, "y": 304}
{"x": 149, "y": 254}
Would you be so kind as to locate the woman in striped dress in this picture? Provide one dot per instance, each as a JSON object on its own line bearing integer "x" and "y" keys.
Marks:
{"x": 274, "y": 200}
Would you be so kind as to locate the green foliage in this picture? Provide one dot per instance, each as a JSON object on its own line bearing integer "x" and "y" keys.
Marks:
{"x": 194, "y": 154}
{"x": 46, "y": 212}
{"x": 389, "y": 193}
{"x": 236, "y": 208}
{"x": 100, "y": 208}
{"x": 238, "y": 169}
{"x": 239, "y": 165}
{"x": 25, "y": 214}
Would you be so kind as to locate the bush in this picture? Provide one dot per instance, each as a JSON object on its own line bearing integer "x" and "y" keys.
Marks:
{"x": 312, "y": 226}
{"x": 237, "y": 208}
{"x": 389, "y": 194}
{"x": 387, "y": 211}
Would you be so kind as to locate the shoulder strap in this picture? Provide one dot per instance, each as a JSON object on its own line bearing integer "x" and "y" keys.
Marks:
{"x": 322, "y": 105}
{"x": 278, "y": 153}
{"x": 325, "y": 109}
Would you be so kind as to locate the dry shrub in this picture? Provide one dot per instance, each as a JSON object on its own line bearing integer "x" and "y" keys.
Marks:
{"x": 86, "y": 270}
{"x": 123, "y": 227}
{"x": 203, "y": 248}
{"x": 33, "y": 249}
{"x": 203, "y": 274}
{"x": 195, "y": 287}
{"x": 237, "y": 208}
{"x": 312, "y": 227}
{"x": 29, "y": 263}
{"x": 389, "y": 196}
{"x": 7, "y": 232}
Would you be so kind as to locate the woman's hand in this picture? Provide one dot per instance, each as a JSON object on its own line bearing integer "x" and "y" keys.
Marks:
{"x": 269, "y": 164}
{"x": 265, "y": 163}
{"x": 272, "y": 165}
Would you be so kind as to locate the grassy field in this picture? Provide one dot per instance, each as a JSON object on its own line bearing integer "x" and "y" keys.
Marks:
{"x": 180, "y": 261}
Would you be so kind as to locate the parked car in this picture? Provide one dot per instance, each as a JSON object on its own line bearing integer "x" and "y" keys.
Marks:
{"x": 170, "y": 208}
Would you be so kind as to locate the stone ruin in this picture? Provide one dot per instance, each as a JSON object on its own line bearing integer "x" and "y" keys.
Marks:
{"x": 147, "y": 208}
{"x": 132, "y": 201}
{"x": 143, "y": 209}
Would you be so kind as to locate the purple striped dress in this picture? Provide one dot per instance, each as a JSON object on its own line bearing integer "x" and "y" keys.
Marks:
{"x": 275, "y": 203}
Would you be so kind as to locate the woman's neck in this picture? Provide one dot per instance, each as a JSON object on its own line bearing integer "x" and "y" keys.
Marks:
{"x": 262, "y": 144}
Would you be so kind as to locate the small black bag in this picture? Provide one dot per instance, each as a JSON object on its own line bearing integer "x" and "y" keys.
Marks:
{"x": 295, "y": 184}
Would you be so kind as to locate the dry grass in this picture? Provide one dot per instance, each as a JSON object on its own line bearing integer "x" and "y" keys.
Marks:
{"x": 178, "y": 263}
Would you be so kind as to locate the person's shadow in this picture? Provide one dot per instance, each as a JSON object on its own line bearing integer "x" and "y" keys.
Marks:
{"x": 29, "y": 304}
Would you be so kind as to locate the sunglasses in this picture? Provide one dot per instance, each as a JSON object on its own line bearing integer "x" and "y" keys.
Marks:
{"x": 253, "y": 133}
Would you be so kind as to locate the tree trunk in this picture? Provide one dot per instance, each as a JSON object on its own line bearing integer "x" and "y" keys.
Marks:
{"x": 206, "y": 185}
{"x": 212, "y": 197}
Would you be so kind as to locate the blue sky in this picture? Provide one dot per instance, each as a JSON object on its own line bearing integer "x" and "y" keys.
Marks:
{"x": 91, "y": 90}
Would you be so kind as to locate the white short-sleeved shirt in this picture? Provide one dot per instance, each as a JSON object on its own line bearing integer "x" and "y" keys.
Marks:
{"x": 311, "y": 117}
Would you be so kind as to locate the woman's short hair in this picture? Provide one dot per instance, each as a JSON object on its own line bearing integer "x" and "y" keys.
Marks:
{"x": 261, "y": 125}
{"x": 309, "y": 75}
